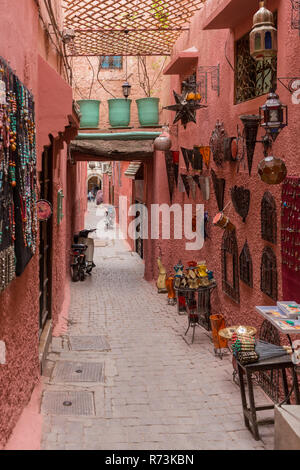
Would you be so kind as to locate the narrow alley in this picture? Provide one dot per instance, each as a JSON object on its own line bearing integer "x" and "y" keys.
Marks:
{"x": 149, "y": 225}
{"x": 155, "y": 390}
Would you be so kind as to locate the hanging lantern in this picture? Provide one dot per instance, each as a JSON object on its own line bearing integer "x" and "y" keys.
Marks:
{"x": 272, "y": 170}
{"x": 274, "y": 115}
{"x": 126, "y": 89}
{"x": 92, "y": 165}
{"x": 263, "y": 36}
{"x": 163, "y": 141}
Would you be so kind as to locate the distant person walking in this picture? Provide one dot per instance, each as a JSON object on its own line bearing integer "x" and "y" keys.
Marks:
{"x": 90, "y": 196}
{"x": 99, "y": 197}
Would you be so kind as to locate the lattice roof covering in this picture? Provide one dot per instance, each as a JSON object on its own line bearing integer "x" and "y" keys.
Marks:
{"x": 126, "y": 27}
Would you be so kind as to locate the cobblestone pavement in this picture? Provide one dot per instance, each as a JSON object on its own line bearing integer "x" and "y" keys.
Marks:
{"x": 159, "y": 391}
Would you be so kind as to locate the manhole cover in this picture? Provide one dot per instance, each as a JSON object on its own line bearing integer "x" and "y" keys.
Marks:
{"x": 68, "y": 403}
{"x": 66, "y": 371}
{"x": 89, "y": 343}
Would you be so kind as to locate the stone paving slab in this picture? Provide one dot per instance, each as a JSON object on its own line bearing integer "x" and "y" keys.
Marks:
{"x": 159, "y": 391}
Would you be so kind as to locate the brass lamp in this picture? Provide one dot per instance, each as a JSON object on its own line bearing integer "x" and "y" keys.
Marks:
{"x": 263, "y": 36}
{"x": 273, "y": 115}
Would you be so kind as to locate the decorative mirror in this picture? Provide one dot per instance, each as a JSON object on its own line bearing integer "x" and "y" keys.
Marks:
{"x": 241, "y": 200}
{"x": 217, "y": 143}
{"x": 268, "y": 218}
{"x": 246, "y": 267}
{"x": 268, "y": 273}
{"x": 230, "y": 266}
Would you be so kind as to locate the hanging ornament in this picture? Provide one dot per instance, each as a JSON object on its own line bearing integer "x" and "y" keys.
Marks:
{"x": 219, "y": 187}
{"x": 186, "y": 158}
{"x": 192, "y": 185}
{"x": 205, "y": 152}
{"x": 181, "y": 188}
{"x": 251, "y": 124}
{"x": 272, "y": 170}
{"x": 196, "y": 178}
{"x": 198, "y": 161}
{"x": 170, "y": 172}
{"x": 186, "y": 184}
{"x": 163, "y": 141}
{"x": 185, "y": 109}
{"x": 263, "y": 36}
{"x": 205, "y": 188}
{"x": 2, "y": 92}
{"x": 190, "y": 154}
{"x": 240, "y": 197}
{"x": 176, "y": 165}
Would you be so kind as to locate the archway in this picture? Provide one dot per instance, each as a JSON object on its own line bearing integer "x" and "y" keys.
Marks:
{"x": 94, "y": 181}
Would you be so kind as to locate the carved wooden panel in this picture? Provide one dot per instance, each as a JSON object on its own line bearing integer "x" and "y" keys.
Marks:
{"x": 268, "y": 273}
{"x": 246, "y": 267}
{"x": 217, "y": 143}
{"x": 268, "y": 218}
{"x": 230, "y": 266}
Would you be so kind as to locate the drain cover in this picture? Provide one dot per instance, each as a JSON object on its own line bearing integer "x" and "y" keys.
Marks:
{"x": 89, "y": 343}
{"x": 68, "y": 403}
{"x": 66, "y": 371}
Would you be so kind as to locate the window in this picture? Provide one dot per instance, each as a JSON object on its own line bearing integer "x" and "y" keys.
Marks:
{"x": 112, "y": 62}
{"x": 253, "y": 78}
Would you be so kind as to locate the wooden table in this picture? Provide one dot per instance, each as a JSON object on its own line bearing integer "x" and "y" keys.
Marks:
{"x": 277, "y": 363}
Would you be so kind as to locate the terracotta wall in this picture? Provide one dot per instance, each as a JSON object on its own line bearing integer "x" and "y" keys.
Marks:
{"x": 22, "y": 45}
{"x": 211, "y": 46}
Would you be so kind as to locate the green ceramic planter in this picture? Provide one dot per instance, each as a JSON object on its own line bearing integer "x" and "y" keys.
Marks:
{"x": 89, "y": 110}
{"x": 148, "y": 111}
{"x": 119, "y": 112}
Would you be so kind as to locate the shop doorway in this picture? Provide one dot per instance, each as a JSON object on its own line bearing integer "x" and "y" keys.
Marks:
{"x": 45, "y": 247}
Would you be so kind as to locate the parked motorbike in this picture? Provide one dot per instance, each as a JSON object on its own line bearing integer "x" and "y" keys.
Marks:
{"x": 82, "y": 253}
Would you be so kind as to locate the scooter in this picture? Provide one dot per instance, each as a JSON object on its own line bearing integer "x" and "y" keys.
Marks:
{"x": 82, "y": 253}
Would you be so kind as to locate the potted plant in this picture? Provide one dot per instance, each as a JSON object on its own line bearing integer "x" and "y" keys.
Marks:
{"x": 89, "y": 108}
{"x": 148, "y": 110}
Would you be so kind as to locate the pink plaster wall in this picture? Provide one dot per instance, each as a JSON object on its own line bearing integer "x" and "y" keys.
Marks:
{"x": 20, "y": 45}
{"x": 211, "y": 52}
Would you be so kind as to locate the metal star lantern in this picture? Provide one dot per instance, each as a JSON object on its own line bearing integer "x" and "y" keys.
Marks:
{"x": 185, "y": 109}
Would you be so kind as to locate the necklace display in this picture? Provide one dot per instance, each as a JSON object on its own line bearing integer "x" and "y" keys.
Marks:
{"x": 18, "y": 218}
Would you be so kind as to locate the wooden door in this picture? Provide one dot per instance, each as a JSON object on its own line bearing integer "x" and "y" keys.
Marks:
{"x": 45, "y": 248}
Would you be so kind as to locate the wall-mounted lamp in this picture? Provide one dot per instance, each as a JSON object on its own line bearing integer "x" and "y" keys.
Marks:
{"x": 126, "y": 89}
{"x": 263, "y": 36}
{"x": 273, "y": 115}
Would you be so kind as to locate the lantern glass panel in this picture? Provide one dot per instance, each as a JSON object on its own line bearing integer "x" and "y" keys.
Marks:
{"x": 268, "y": 40}
{"x": 257, "y": 41}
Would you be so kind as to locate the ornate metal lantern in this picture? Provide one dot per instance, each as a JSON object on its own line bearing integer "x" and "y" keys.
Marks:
{"x": 263, "y": 37}
{"x": 163, "y": 141}
{"x": 274, "y": 115}
{"x": 126, "y": 89}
